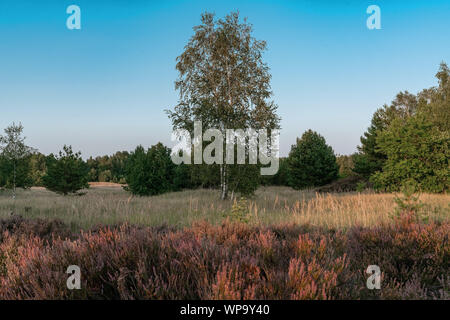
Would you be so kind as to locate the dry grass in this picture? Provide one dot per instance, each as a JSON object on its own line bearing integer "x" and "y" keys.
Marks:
{"x": 271, "y": 205}
{"x": 104, "y": 184}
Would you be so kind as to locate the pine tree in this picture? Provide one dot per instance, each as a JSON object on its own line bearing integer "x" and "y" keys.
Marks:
{"x": 311, "y": 162}
{"x": 66, "y": 173}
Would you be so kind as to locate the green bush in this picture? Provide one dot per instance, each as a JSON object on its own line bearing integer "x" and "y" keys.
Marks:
{"x": 361, "y": 186}
{"x": 244, "y": 179}
{"x": 416, "y": 151}
{"x": 150, "y": 172}
{"x": 21, "y": 175}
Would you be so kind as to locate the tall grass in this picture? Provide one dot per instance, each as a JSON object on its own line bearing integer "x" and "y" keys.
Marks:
{"x": 270, "y": 205}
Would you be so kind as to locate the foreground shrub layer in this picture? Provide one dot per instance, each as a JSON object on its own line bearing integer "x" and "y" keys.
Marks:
{"x": 231, "y": 261}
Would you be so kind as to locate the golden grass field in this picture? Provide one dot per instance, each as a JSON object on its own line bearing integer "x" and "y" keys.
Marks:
{"x": 270, "y": 205}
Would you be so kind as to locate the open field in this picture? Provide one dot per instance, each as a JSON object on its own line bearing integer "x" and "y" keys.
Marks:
{"x": 271, "y": 205}
{"x": 180, "y": 246}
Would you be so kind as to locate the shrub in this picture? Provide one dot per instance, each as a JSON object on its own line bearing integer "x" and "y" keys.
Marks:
{"x": 182, "y": 177}
{"x": 244, "y": 179}
{"x": 351, "y": 183}
{"x": 43, "y": 228}
{"x": 361, "y": 186}
{"x": 240, "y": 211}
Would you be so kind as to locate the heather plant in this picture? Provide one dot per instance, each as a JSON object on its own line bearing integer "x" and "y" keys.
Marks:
{"x": 230, "y": 261}
{"x": 45, "y": 229}
{"x": 411, "y": 254}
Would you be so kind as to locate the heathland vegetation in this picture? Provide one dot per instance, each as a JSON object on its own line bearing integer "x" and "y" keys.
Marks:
{"x": 226, "y": 261}
{"x": 171, "y": 231}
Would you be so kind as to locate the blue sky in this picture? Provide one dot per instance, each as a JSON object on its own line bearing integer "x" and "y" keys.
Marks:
{"x": 104, "y": 88}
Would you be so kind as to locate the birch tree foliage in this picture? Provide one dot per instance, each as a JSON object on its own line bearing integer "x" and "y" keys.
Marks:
{"x": 223, "y": 80}
{"x": 13, "y": 149}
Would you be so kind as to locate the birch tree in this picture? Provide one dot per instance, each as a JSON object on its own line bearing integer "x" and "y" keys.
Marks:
{"x": 13, "y": 149}
{"x": 223, "y": 82}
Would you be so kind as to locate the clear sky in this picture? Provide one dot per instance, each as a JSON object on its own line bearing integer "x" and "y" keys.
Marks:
{"x": 104, "y": 88}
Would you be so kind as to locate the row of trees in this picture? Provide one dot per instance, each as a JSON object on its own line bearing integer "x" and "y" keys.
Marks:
{"x": 151, "y": 171}
{"x": 311, "y": 163}
{"x": 400, "y": 152}
{"x": 22, "y": 166}
{"x": 146, "y": 172}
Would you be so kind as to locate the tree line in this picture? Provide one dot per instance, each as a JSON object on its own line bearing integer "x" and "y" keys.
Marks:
{"x": 151, "y": 171}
